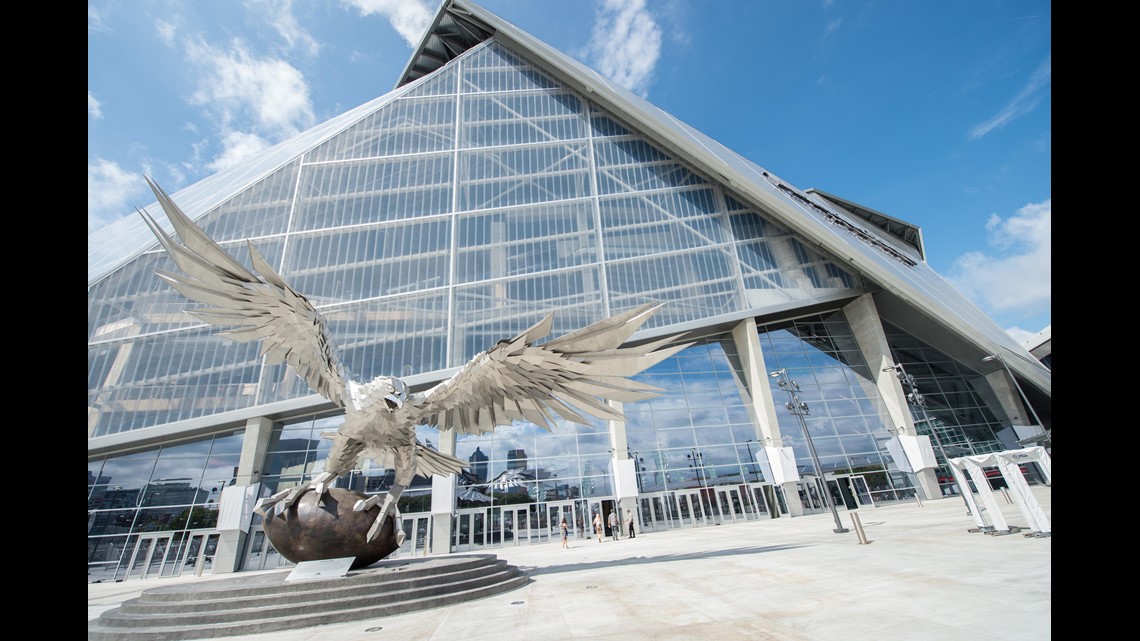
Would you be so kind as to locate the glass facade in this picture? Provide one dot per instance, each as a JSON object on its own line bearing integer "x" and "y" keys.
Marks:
{"x": 166, "y": 492}
{"x": 845, "y": 419}
{"x": 457, "y": 213}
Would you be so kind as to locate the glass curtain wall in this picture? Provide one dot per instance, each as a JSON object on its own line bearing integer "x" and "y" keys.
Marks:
{"x": 460, "y": 212}
{"x": 171, "y": 489}
{"x": 700, "y": 431}
{"x": 955, "y": 407}
{"x": 845, "y": 420}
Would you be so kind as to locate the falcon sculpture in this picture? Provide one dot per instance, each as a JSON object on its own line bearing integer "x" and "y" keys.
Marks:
{"x": 570, "y": 377}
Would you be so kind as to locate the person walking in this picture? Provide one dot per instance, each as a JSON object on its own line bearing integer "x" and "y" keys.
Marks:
{"x": 598, "y": 530}
{"x": 615, "y": 528}
{"x": 565, "y": 533}
{"x": 629, "y": 524}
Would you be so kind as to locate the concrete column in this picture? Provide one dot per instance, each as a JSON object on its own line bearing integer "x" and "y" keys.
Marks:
{"x": 626, "y": 499}
{"x": 863, "y": 318}
{"x": 1008, "y": 398}
{"x": 228, "y": 555}
{"x": 746, "y": 338}
{"x": 443, "y": 499}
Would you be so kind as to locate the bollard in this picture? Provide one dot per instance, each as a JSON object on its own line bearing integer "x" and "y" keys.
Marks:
{"x": 858, "y": 528}
{"x": 917, "y": 498}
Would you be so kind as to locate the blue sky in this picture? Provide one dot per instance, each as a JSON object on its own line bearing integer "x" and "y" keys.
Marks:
{"x": 937, "y": 113}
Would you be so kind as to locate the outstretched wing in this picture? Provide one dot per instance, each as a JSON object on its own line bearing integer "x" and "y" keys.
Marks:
{"x": 260, "y": 306}
{"x": 566, "y": 377}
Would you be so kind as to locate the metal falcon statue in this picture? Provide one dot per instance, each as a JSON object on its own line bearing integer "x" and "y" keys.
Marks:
{"x": 566, "y": 377}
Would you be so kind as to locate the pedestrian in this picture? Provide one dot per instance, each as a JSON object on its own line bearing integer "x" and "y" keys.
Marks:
{"x": 579, "y": 530}
{"x": 615, "y": 529}
{"x": 598, "y": 526}
{"x": 629, "y": 523}
{"x": 565, "y": 533}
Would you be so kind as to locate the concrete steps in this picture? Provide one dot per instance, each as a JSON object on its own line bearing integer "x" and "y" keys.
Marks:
{"x": 260, "y": 603}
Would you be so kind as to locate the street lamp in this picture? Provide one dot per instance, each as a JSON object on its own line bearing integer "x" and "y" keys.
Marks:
{"x": 800, "y": 409}
{"x": 755, "y": 475}
{"x": 1017, "y": 385}
{"x": 697, "y": 463}
{"x": 912, "y": 396}
{"x": 638, "y": 468}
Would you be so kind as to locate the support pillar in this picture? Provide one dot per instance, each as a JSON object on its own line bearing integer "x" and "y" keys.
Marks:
{"x": 231, "y": 541}
{"x": 443, "y": 499}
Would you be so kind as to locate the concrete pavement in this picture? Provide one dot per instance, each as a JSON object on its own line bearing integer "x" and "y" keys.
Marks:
{"x": 922, "y": 575}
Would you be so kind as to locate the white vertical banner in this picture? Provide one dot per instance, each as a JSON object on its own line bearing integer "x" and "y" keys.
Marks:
{"x": 898, "y": 454}
{"x": 625, "y": 477}
{"x": 779, "y": 465}
{"x": 235, "y": 506}
{"x": 918, "y": 451}
{"x": 443, "y": 493}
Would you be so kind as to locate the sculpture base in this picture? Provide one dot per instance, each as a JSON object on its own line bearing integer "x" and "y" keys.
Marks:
{"x": 325, "y": 527}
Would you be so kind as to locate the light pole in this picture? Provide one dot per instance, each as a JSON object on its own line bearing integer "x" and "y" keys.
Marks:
{"x": 752, "y": 459}
{"x": 637, "y": 461}
{"x": 800, "y": 409}
{"x": 912, "y": 396}
{"x": 697, "y": 463}
{"x": 1018, "y": 386}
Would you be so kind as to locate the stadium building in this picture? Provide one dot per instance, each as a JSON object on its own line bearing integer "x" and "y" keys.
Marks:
{"x": 499, "y": 181}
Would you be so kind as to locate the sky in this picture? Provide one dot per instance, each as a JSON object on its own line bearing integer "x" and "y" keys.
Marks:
{"x": 935, "y": 113}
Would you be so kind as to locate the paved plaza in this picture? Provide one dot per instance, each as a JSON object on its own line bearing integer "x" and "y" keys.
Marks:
{"x": 922, "y": 575}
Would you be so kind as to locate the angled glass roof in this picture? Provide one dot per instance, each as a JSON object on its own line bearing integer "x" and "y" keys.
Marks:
{"x": 117, "y": 243}
{"x": 861, "y": 239}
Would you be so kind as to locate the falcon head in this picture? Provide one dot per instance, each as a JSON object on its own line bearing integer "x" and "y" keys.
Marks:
{"x": 395, "y": 391}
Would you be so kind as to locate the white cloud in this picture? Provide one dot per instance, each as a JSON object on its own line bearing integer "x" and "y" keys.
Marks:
{"x": 626, "y": 44}
{"x": 93, "y": 106}
{"x": 410, "y": 18}
{"x": 236, "y": 147}
{"x": 165, "y": 31}
{"x": 1016, "y": 281}
{"x": 832, "y": 27}
{"x": 1025, "y": 101}
{"x": 279, "y": 15}
{"x": 266, "y": 95}
{"x": 110, "y": 189}
{"x": 95, "y": 20}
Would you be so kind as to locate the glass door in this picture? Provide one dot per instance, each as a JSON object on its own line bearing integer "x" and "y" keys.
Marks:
{"x": 417, "y": 530}
{"x": 810, "y": 497}
{"x": 149, "y": 555}
{"x": 689, "y": 508}
{"x": 259, "y": 551}
{"x": 732, "y": 506}
{"x": 558, "y": 510}
{"x": 660, "y": 511}
{"x": 861, "y": 491}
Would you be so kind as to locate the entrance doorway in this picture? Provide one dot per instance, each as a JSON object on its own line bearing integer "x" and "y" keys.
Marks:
{"x": 260, "y": 553}
{"x": 572, "y": 511}
{"x": 169, "y": 554}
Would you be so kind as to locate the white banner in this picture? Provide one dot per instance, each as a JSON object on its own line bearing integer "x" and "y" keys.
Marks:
{"x": 779, "y": 465}
{"x": 625, "y": 477}
{"x": 235, "y": 506}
